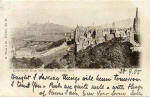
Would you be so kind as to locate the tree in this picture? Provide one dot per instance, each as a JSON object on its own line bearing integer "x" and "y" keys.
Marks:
{"x": 36, "y": 62}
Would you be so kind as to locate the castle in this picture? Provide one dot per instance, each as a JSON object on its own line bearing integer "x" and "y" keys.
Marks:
{"x": 86, "y": 36}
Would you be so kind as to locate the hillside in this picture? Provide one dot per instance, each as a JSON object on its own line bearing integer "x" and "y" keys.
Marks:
{"x": 110, "y": 54}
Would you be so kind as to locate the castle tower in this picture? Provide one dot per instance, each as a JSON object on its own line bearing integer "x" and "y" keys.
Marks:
{"x": 76, "y": 33}
{"x": 76, "y": 39}
{"x": 136, "y": 27}
{"x": 134, "y": 35}
{"x": 136, "y": 23}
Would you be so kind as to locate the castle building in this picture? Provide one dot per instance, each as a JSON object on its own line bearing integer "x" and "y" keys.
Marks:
{"x": 91, "y": 36}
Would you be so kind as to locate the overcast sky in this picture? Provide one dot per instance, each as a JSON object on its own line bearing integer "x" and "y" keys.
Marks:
{"x": 68, "y": 13}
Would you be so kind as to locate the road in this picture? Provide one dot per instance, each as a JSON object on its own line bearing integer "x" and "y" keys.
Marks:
{"x": 54, "y": 54}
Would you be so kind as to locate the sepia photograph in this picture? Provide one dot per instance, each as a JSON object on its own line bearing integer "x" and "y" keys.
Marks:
{"x": 72, "y": 35}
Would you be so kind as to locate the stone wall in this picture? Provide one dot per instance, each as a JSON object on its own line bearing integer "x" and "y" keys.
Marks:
{"x": 91, "y": 36}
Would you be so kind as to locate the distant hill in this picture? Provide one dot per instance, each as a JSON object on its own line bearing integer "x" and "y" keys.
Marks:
{"x": 39, "y": 30}
{"x": 48, "y": 28}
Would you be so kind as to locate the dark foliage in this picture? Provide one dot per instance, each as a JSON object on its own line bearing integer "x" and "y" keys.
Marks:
{"x": 54, "y": 64}
{"x": 53, "y": 45}
{"x": 134, "y": 57}
{"x": 26, "y": 62}
{"x": 70, "y": 58}
{"x": 70, "y": 42}
{"x": 57, "y": 43}
{"x": 36, "y": 62}
{"x": 111, "y": 54}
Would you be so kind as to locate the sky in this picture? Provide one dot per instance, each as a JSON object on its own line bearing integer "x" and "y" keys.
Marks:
{"x": 69, "y": 13}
